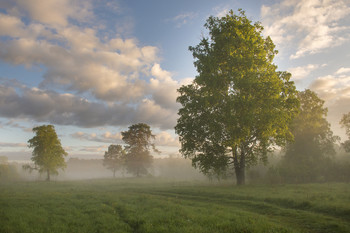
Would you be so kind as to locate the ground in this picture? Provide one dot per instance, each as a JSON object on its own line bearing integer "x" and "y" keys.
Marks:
{"x": 157, "y": 205}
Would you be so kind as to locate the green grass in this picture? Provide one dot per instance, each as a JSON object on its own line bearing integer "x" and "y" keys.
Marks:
{"x": 154, "y": 205}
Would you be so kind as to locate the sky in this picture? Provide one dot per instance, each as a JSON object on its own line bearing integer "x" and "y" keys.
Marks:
{"x": 94, "y": 67}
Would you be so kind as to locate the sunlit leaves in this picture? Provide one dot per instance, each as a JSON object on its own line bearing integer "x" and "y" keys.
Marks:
{"x": 48, "y": 154}
{"x": 238, "y": 105}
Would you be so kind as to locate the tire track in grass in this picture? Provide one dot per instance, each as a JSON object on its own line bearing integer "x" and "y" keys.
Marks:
{"x": 134, "y": 224}
{"x": 299, "y": 216}
{"x": 339, "y": 213}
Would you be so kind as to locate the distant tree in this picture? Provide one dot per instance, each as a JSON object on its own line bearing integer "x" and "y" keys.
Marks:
{"x": 238, "y": 106}
{"x": 114, "y": 158}
{"x": 345, "y": 123}
{"x": 48, "y": 154}
{"x": 138, "y": 140}
{"x": 308, "y": 156}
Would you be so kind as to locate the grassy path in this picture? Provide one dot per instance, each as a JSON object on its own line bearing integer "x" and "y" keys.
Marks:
{"x": 152, "y": 205}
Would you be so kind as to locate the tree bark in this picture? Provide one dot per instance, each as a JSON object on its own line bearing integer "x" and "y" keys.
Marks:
{"x": 239, "y": 165}
{"x": 48, "y": 175}
{"x": 240, "y": 175}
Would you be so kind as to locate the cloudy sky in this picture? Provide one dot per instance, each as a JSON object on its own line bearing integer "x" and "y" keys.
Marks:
{"x": 94, "y": 67}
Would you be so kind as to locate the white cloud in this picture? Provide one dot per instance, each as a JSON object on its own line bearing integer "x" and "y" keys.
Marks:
{"x": 343, "y": 70}
{"x": 183, "y": 19}
{"x": 301, "y": 72}
{"x": 106, "y": 137}
{"x": 166, "y": 139}
{"x": 164, "y": 88}
{"x": 56, "y": 12}
{"x": 221, "y": 11}
{"x": 313, "y": 25}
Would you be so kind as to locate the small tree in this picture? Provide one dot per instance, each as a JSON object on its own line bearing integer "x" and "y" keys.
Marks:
{"x": 114, "y": 158}
{"x": 139, "y": 141}
{"x": 48, "y": 154}
{"x": 345, "y": 123}
{"x": 238, "y": 106}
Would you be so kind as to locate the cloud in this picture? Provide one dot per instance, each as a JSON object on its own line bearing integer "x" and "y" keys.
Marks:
{"x": 14, "y": 124}
{"x": 83, "y": 65}
{"x": 123, "y": 80}
{"x": 335, "y": 90}
{"x": 166, "y": 139}
{"x": 311, "y": 25}
{"x": 64, "y": 109}
{"x": 221, "y": 11}
{"x": 301, "y": 72}
{"x": 183, "y": 19}
{"x": 11, "y": 144}
{"x": 55, "y": 12}
{"x": 163, "y": 138}
{"x": 343, "y": 70}
{"x": 164, "y": 88}
{"x": 107, "y": 137}
{"x": 94, "y": 149}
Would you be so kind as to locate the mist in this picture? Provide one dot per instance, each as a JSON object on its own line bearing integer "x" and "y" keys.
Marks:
{"x": 85, "y": 169}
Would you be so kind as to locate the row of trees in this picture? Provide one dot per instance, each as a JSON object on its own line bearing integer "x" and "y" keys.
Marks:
{"x": 48, "y": 153}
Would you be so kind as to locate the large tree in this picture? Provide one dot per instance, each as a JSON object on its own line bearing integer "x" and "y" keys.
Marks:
{"x": 239, "y": 105}
{"x": 48, "y": 154}
{"x": 345, "y": 123}
{"x": 114, "y": 158}
{"x": 138, "y": 140}
{"x": 308, "y": 156}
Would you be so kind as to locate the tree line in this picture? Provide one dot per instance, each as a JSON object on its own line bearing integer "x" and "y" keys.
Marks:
{"x": 48, "y": 153}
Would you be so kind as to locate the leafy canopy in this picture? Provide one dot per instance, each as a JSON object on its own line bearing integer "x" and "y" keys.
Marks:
{"x": 139, "y": 139}
{"x": 238, "y": 105}
{"x": 114, "y": 158}
{"x": 48, "y": 154}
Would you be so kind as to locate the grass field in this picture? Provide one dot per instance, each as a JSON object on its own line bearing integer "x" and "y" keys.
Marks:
{"x": 154, "y": 205}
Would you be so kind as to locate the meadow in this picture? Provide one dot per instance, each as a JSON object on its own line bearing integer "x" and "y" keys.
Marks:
{"x": 157, "y": 205}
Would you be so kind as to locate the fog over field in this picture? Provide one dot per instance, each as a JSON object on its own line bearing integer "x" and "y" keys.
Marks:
{"x": 174, "y": 116}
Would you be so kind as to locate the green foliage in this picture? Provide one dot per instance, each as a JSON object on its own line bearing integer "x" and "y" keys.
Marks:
{"x": 345, "y": 123}
{"x": 48, "y": 154}
{"x": 238, "y": 106}
{"x": 309, "y": 156}
{"x": 114, "y": 158}
{"x": 151, "y": 205}
{"x": 139, "y": 141}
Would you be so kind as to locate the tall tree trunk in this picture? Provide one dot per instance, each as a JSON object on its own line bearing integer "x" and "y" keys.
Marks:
{"x": 240, "y": 175}
{"x": 113, "y": 173}
{"x": 48, "y": 175}
{"x": 239, "y": 165}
